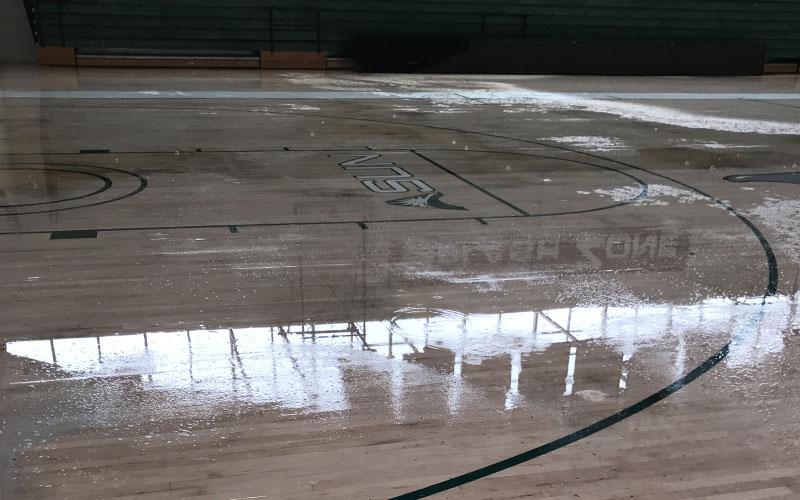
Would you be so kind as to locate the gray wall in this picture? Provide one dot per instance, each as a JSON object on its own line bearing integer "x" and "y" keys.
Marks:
{"x": 16, "y": 42}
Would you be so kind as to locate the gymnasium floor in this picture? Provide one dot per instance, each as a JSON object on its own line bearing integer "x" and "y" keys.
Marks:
{"x": 234, "y": 284}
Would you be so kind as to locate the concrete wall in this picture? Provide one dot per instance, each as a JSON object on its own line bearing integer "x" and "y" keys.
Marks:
{"x": 16, "y": 41}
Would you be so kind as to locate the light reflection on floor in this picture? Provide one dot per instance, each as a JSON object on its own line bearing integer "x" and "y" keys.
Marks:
{"x": 301, "y": 367}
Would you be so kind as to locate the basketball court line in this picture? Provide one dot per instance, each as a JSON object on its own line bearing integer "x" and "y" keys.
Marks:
{"x": 561, "y": 442}
{"x": 708, "y": 364}
{"x": 771, "y": 260}
{"x": 276, "y": 149}
{"x": 105, "y": 180}
{"x": 73, "y": 234}
{"x": 470, "y": 183}
{"x": 362, "y": 223}
{"x": 771, "y": 289}
{"x": 713, "y": 360}
{"x": 107, "y": 185}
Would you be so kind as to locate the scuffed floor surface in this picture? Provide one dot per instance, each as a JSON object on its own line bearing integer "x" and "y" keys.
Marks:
{"x": 237, "y": 285}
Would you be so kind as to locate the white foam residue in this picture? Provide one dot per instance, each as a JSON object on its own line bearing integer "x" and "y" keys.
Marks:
{"x": 436, "y": 108}
{"x": 301, "y": 107}
{"x": 590, "y": 143}
{"x": 657, "y": 194}
{"x": 634, "y": 111}
{"x": 592, "y": 395}
{"x": 488, "y": 281}
{"x": 397, "y": 81}
{"x": 717, "y": 145}
{"x": 324, "y": 81}
{"x": 783, "y": 217}
{"x": 408, "y": 109}
{"x": 444, "y": 109}
{"x": 596, "y": 290}
{"x": 477, "y": 91}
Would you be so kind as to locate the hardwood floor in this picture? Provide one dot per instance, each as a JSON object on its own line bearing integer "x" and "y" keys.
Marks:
{"x": 224, "y": 296}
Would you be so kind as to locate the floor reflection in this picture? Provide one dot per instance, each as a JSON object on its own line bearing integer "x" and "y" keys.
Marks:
{"x": 509, "y": 359}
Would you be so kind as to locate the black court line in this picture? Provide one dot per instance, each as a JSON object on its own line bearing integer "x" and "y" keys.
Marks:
{"x": 771, "y": 289}
{"x": 470, "y": 183}
{"x": 711, "y": 362}
{"x": 776, "y": 177}
{"x": 171, "y": 152}
{"x": 772, "y": 262}
{"x": 358, "y": 222}
{"x": 414, "y": 151}
{"x": 573, "y": 437}
{"x": 93, "y": 151}
{"x": 310, "y": 223}
{"x": 475, "y": 99}
{"x": 772, "y": 285}
{"x": 142, "y": 185}
{"x": 71, "y": 235}
{"x": 643, "y": 189}
{"x": 105, "y": 180}
{"x": 770, "y": 255}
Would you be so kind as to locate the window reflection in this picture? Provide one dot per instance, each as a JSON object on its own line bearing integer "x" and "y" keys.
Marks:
{"x": 528, "y": 355}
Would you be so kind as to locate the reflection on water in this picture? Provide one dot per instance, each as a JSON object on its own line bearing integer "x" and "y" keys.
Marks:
{"x": 538, "y": 355}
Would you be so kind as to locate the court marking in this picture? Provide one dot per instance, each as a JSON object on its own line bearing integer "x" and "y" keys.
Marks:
{"x": 276, "y": 149}
{"x": 142, "y": 185}
{"x": 772, "y": 266}
{"x": 779, "y": 177}
{"x": 470, "y": 183}
{"x": 424, "y": 195}
{"x": 107, "y": 183}
{"x": 563, "y": 441}
{"x": 771, "y": 289}
{"x": 74, "y": 234}
{"x": 643, "y": 191}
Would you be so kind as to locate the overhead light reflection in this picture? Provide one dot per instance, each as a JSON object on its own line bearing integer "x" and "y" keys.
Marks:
{"x": 308, "y": 365}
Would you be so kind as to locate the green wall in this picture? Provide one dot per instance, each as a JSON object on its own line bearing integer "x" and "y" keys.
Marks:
{"x": 330, "y": 25}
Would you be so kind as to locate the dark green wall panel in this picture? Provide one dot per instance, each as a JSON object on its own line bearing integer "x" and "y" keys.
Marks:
{"x": 250, "y": 25}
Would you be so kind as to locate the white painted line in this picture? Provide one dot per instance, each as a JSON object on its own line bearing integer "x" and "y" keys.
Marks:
{"x": 570, "y": 380}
